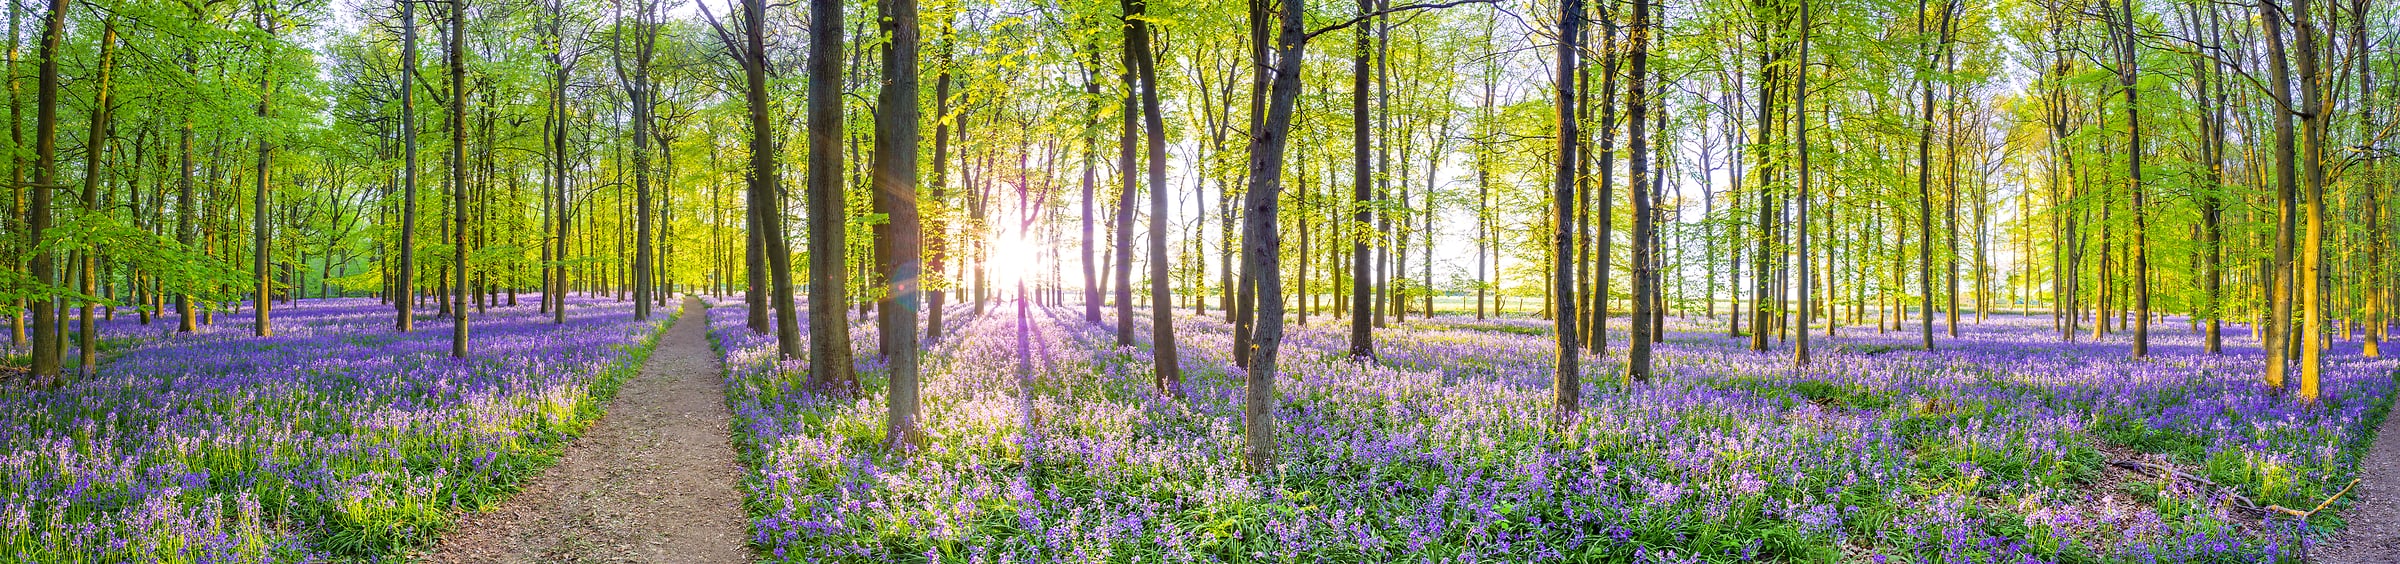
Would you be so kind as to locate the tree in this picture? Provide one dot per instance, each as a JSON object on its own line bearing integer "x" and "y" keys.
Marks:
{"x": 1362, "y": 195}
{"x": 404, "y": 301}
{"x": 562, "y": 67}
{"x": 458, "y": 176}
{"x": 829, "y": 364}
{"x": 1166, "y": 367}
{"x": 45, "y": 176}
{"x": 2278, "y": 323}
{"x": 1925, "y": 161}
{"x": 1800, "y": 133}
{"x": 1567, "y": 383}
{"x": 634, "y": 75}
{"x": 1127, "y": 186}
{"x": 94, "y": 150}
{"x": 1645, "y": 274}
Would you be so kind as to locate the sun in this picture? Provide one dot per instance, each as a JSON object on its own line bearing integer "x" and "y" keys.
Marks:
{"x": 1011, "y": 257}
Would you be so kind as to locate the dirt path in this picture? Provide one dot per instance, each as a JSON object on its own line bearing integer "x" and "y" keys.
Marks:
{"x": 2373, "y": 535}
{"x": 653, "y": 481}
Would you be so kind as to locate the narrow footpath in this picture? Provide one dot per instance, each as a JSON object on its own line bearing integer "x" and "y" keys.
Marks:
{"x": 653, "y": 481}
{"x": 2373, "y": 532}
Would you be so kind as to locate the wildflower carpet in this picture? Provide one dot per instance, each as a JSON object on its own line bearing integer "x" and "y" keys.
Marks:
{"x": 2004, "y": 445}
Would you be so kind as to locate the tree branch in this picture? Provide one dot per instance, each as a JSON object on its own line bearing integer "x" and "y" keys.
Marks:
{"x": 1372, "y": 15}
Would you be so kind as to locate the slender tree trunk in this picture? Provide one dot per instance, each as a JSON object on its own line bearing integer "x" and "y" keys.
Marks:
{"x": 637, "y": 95}
{"x": 1637, "y": 103}
{"x": 1596, "y": 333}
{"x": 1567, "y": 383}
{"x": 2128, "y": 72}
{"x": 95, "y": 148}
{"x": 16, "y": 175}
{"x": 458, "y": 175}
{"x": 1362, "y": 177}
{"x": 1091, "y": 159}
{"x": 938, "y": 247}
{"x": 1128, "y": 185}
{"x": 1166, "y": 367}
{"x": 1800, "y": 134}
{"x": 559, "y": 74}
{"x": 1925, "y": 182}
{"x": 2279, "y": 79}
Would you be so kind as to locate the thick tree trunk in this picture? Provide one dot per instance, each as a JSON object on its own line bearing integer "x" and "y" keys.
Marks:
{"x": 829, "y": 356}
{"x": 1263, "y": 244}
{"x": 45, "y": 361}
{"x": 896, "y": 187}
{"x": 2314, "y": 124}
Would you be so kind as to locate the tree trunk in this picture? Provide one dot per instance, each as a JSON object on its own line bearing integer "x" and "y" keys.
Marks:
{"x": 1168, "y": 376}
{"x": 1800, "y": 135}
{"x": 2312, "y": 175}
{"x": 1567, "y": 384}
{"x": 1637, "y": 104}
{"x": 638, "y": 95}
{"x": 896, "y": 186}
{"x": 2278, "y": 321}
{"x": 458, "y": 175}
{"x": 1127, "y": 186}
{"x": 2128, "y": 72}
{"x": 1091, "y": 160}
{"x": 1362, "y": 177}
{"x": 45, "y": 175}
{"x": 1263, "y": 245}
{"x": 95, "y": 148}
{"x": 1246, "y": 296}
{"x": 938, "y": 248}
{"x": 829, "y": 360}
{"x": 559, "y": 74}
{"x": 1925, "y": 181}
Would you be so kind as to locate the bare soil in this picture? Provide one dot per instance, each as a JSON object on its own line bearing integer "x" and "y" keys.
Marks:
{"x": 652, "y": 481}
{"x": 2373, "y": 532}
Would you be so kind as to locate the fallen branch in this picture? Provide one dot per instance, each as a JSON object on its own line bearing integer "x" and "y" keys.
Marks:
{"x": 2304, "y": 515}
{"x": 2161, "y": 470}
{"x": 2242, "y": 502}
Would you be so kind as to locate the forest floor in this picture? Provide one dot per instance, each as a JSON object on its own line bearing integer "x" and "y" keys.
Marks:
{"x": 653, "y": 481}
{"x": 2372, "y": 531}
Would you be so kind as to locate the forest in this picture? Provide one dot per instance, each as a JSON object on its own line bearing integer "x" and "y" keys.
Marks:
{"x": 1958, "y": 281}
